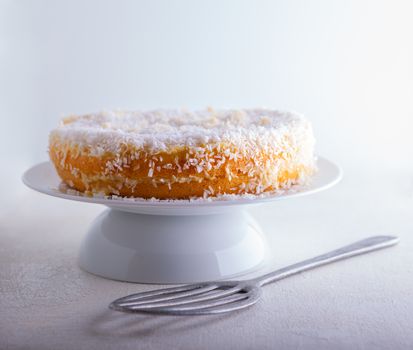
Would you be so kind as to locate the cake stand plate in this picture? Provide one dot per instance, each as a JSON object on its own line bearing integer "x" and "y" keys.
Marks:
{"x": 180, "y": 241}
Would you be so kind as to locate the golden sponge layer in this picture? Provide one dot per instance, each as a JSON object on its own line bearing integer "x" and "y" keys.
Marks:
{"x": 166, "y": 176}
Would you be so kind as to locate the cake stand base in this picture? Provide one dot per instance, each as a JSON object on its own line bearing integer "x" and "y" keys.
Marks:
{"x": 172, "y": 249}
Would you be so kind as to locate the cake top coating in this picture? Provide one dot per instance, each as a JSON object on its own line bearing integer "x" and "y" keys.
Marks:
{"x": 159, "y": 130}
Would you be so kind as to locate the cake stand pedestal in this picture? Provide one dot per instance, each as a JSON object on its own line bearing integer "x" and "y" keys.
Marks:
{"x": 172, "y": 249}
{"x": 173, "y": 241}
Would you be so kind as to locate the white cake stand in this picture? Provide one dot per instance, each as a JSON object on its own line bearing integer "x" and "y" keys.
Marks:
{"x": 173, "y": 241}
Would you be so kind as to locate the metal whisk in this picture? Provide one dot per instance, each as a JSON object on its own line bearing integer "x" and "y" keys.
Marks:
{"x": 219, "y": 297}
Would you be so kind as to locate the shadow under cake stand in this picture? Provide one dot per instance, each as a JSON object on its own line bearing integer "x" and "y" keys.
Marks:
{"x": 173, "y": 241}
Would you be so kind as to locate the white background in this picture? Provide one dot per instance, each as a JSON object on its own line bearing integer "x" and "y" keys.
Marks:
{"x": 347, "y": 65}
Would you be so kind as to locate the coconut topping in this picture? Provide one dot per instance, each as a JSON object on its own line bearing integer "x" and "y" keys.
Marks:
{"x": 161, "y": 130}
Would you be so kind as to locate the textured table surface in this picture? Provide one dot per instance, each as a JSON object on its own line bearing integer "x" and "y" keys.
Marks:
{"x": 47, "y": 302}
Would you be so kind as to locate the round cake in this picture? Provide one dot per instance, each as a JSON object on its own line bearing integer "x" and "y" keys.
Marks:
{"x": 179, "y": 154}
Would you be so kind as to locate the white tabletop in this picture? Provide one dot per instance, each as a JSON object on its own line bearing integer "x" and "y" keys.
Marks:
{"x": 47, "y": 302}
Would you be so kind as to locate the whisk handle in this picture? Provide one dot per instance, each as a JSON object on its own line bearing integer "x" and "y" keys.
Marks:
{"x": 361, "y": 247}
